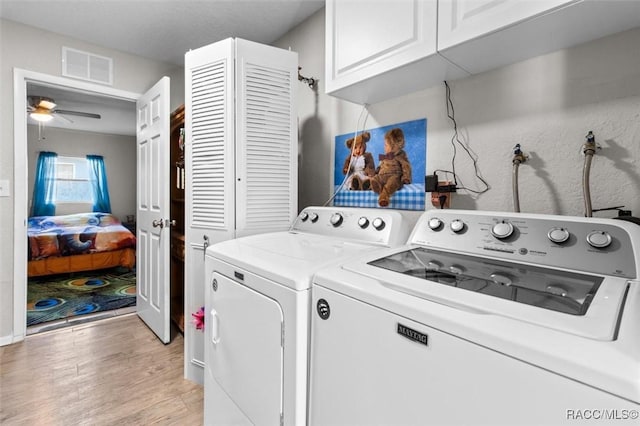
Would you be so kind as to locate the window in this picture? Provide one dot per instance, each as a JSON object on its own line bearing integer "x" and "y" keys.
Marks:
{"x": 61, "y": 180}
{"x": 72, "y": 182}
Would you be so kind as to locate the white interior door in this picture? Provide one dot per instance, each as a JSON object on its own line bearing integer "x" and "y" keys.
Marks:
{"x": 152, "y": 271}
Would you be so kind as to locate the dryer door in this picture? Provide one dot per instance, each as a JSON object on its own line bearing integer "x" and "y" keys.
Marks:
{"x": 244, "y": 332}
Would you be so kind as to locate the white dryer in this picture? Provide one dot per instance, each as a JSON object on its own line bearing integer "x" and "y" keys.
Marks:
{"x": 483, "y": 318}
{"x": 257, "y": 308}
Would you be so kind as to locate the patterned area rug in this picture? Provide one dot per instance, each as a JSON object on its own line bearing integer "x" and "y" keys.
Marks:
{"x": 67, "y": 295}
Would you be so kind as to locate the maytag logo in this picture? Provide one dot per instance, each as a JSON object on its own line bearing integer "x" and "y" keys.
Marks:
{"x": 414, "y": 335}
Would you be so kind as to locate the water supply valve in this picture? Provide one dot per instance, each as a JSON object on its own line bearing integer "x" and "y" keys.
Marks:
{"x": 590, "y": 146}
{"x": 519, "y": 156}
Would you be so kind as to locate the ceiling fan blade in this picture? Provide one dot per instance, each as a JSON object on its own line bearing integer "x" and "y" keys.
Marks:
{"x": 78, "y": 113}
{"x": 62, "y": 117}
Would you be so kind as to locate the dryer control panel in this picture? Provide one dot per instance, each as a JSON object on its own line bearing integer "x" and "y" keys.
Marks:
{"x": 602, "y": 246}
{"x": 384, "y": 227}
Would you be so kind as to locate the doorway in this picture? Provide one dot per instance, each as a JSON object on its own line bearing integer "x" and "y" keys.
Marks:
{"x": 21, "y": 187}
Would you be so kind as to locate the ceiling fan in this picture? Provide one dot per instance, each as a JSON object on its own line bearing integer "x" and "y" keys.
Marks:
{"x": 43, "y": 109}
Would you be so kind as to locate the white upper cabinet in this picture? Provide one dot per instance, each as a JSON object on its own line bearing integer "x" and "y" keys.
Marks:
{"x": 479, "y": 35}
{"x": 381, "y": 49}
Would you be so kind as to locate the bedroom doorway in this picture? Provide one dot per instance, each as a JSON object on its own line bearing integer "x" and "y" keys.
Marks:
{"x": 94, "y": 278}
{"x": 24, "y": 79}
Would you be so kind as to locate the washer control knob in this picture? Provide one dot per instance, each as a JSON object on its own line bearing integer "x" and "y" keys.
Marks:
{"x": 336, "y": 219}
{"x": 363, "y": 222}
{"x": 435, "y": 224}
{"x": 599, "y": 239}
{"x": 314, "y": 217}
{"x": 457, "y": 225}
{"x": 304, "y": 216}
{"x": 558, "y": 235}
{"x": 378, "y": 223}
{"x": 502, "y": 230}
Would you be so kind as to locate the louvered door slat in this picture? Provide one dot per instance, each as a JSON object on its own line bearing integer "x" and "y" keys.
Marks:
{"x": 208, "y": 145}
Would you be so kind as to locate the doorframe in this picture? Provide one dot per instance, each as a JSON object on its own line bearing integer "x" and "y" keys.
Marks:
{"x": 20, "y": 185}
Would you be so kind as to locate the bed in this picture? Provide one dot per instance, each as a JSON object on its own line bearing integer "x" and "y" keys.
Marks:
{"x": 78, "y": 242}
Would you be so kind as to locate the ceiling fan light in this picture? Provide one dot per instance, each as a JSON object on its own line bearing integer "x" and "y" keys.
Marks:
{"x": 41, "y": 116}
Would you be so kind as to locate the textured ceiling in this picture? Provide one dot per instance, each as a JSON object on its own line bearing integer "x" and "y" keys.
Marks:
{"x": 162, "y": 30}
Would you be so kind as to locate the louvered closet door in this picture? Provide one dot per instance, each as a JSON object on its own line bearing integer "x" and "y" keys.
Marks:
{"x": 210, "y": 158}
{"x": 267, "y": 138}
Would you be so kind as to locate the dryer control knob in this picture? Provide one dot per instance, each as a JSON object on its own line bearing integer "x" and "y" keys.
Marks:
{"x": 378, "y": 223}
{"x": 457, "y": 225}
{"x": 336, "y": 219}
{"x": 558, "y": 235}
{"x": 435, "y": 224}
{"x": 363, "y": 222}
{"x": 502, "y": 230}
{"x": 599, "y": 239}
{"x": 314, "y": 217}
{"x": 304, "y": 216}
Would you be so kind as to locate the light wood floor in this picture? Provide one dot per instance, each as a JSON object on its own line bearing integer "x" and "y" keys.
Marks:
{"x": 108, "y": 372}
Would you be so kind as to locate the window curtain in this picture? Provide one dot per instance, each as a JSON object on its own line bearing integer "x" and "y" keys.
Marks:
{"x": 101, "y": 201}
{"x": 45, "y": 185}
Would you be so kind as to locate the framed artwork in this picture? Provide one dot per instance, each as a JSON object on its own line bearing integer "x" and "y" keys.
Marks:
{"x": 382, "y": 167}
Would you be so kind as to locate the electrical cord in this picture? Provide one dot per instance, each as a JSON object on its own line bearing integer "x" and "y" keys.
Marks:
{"x": 452, "y": 116}
{"x": 355, "y": 134}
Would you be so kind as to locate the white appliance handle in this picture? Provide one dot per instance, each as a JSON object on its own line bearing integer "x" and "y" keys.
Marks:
{"x": 215, "y": 327}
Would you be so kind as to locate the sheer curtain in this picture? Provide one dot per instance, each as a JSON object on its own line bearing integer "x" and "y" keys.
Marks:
{"x": 101, "y": 201}
{"x": 45, "y": 185}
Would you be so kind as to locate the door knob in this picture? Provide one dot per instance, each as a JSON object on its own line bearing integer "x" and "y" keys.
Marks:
{"x": 158, "y": 223}
{"x": 171, "y": 222}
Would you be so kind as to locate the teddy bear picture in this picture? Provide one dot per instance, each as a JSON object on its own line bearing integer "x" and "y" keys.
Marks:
{"x": 382, "y": 167}
{"x": 358, "y": 166}
{"x": 394, "y": 169}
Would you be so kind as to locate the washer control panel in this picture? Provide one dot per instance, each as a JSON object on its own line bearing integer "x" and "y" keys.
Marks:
{"x": 385, "y": 227}
{"x": 589, "y": 244}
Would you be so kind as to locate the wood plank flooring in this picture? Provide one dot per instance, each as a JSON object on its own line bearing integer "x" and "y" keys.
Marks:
{"x": 113, "y": 371}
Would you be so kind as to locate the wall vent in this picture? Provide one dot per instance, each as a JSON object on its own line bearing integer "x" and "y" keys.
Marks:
{"x": 87, "y": 66}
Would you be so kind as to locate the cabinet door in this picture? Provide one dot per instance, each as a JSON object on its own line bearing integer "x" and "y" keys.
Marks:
{"x": 266, "y": 131}
{"x": 462, "y": 20}
{"x": 366, "y": 40}
{"x": 209, "y": 159}
{"x": 479, "y": 35}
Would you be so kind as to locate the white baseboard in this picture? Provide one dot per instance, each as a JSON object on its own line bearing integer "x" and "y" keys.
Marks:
{"x": 7, "y": 340}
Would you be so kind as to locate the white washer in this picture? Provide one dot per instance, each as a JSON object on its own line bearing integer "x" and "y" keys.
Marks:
{"x": 483, "y": 318}
{"x": 258, "y": 310}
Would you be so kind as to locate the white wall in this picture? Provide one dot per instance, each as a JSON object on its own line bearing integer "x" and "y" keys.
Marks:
{"x": 547, "y": 104}
{"x": 119, "y": 154}
{"x": 40, "y": 51}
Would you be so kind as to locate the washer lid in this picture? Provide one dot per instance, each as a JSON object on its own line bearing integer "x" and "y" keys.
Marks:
{"x": 581, "y": 304}
{"x": 288, "y": 258}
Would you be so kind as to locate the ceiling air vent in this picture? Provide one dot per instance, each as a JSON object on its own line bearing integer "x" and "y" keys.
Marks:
{"x": 87, "y": 66}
